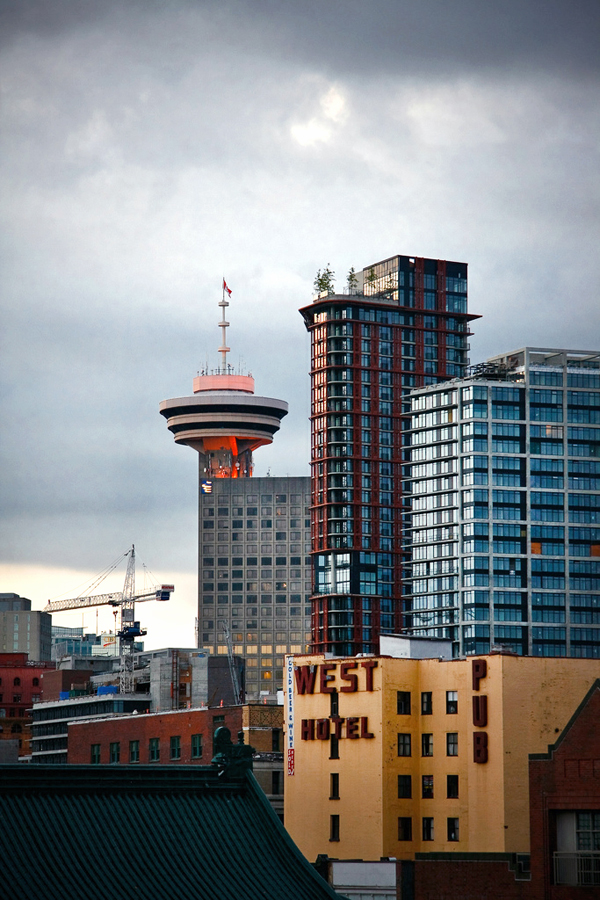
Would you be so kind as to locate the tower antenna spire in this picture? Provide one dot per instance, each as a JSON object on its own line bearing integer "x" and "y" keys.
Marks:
{"x": 223, "y": 325}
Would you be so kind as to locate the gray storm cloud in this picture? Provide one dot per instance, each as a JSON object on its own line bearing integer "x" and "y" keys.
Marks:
{"x": 150, "y": 148}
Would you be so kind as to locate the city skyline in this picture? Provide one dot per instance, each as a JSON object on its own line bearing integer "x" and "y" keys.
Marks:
{"x": 130, "y": 191}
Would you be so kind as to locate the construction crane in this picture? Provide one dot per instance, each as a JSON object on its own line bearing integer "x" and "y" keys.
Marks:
{"x": 235, "y": 683}
{"x": 125, "y": 600}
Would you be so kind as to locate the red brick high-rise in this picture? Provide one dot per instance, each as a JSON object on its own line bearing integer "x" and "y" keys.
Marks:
{"x": 403, "y": 324}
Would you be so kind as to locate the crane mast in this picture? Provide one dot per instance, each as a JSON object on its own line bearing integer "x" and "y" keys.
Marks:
{"x": 130, "y": 629}
{"x": 235, "y": 683}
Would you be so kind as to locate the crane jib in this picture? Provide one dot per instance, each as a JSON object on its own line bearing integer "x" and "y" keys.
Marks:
{"x": 115, "y": 599}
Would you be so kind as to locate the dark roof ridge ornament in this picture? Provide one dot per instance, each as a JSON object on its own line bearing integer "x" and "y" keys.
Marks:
{"x": 233, "y": 760}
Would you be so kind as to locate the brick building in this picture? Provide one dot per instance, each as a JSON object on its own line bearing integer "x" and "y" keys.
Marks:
{"x": 51, "y": 720}
{"x": 184, "y": 737}
{"x": 564, "y": 810}
{"x": 20, "y": 688}
{"x": 56, "y": 682}
{"x": 564, "y": 787}
{"x": 442, "y": 748}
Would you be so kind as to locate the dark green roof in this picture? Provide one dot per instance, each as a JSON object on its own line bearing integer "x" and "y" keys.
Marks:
{"x": 145, "y": 833}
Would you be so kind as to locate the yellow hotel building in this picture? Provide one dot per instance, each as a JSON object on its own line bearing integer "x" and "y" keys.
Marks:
{"x": 388, "y": 757}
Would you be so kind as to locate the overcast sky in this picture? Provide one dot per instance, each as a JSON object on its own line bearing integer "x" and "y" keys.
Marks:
{"x": 149, "y": 148}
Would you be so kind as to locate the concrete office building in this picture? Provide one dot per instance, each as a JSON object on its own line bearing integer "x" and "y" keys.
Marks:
{"x": 403, "y": 324}
{"x": 504, "y": 528}
{"x": 255, "y": 576}
{"x": 23, "y": 630}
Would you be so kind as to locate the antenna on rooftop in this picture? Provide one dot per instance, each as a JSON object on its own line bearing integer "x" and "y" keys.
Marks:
{"x": 223, "y": 324}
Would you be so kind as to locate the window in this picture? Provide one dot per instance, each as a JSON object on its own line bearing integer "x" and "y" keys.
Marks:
{"x": 403, "y": 703}
{"x": 587, "y": 830}
{"x": 114, "y": 754}
{"x": 579, "y": 835}
{"x": 427, "y": 828}
{"x": 334, "y": 705}
{"x": 427, "y": 787}
{"x": 451, "y": 702}
{"x": 404, "y": 828}
{"x": 276, "y": 740}
{"x": 404, "y": 745}
{"x": 218, "y": 720}
{"x": 452, "y": 787}
{"x": 276, "y": 777}
{"x": 17, "y": 682}
{"x": 334, "y": 747}
{"x": 452, "y": 743}
{"x": 452, "y": 829}
{"x": 196, "y": 746}
{"x": 334, "y": 828}
{"x": 154, "y": 749}
{"x": 134, "y": 751}
{"x": 426, "y": 704}
{"x": 404, "y": 787}
{"x": 95, "y": 754}
{"x": 334, "y": 786}
{"x": 175, "y": 746}
{"x": 426, "y": 745}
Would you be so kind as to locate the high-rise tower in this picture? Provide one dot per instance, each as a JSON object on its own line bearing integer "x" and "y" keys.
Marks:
{"x": 403, "y": 324}
{"x": 505, "y": 519}
{"x": 224, "y": 421}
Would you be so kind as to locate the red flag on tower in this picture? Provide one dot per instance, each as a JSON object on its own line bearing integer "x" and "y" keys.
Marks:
{"x": 225, "y": 288}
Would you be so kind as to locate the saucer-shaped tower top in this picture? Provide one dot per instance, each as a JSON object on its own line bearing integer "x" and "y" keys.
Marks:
{"x": 224, "y": 420}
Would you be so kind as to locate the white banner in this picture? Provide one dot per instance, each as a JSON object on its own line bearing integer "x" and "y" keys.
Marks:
{"x": 289, "y": 712}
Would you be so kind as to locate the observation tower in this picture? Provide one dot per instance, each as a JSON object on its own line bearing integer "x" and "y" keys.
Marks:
{"x": 224, "y": 420}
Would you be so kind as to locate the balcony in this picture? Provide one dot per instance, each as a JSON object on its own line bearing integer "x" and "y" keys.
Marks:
{"x": 581, "y": 868}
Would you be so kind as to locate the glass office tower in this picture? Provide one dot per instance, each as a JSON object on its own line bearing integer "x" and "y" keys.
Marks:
{"x": 403, "y": 324}
{"x": 504, "y": 527}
